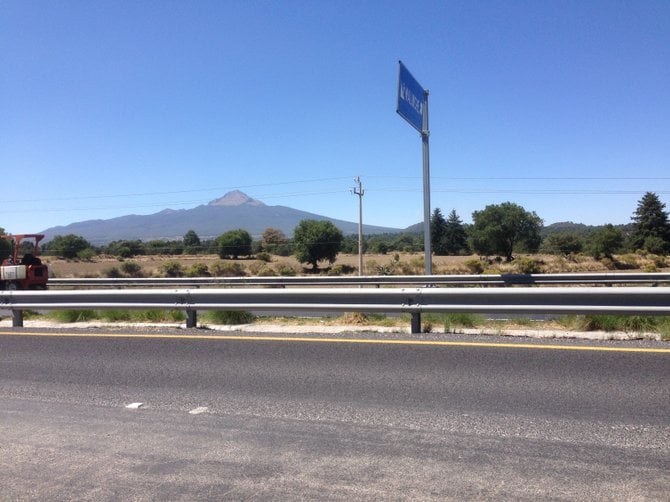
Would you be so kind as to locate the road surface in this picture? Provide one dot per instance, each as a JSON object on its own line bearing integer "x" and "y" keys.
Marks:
{"x": 182, "y": 416}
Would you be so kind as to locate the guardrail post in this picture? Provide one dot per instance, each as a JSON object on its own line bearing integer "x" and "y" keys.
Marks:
{"x": 17, "y": 318}
{"x": 416, "y": 322}
{"x": 191, "y": 319}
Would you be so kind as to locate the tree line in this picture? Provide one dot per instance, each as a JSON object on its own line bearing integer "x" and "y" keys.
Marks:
{"x": 500, "y": 230}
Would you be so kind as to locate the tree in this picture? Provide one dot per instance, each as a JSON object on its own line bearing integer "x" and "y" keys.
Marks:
{"x": 651, "y": 227}
{"x": 500, "y": 229}
{"x": 563, "y": 243}
{"x": 271, "y": 240}
{"x": 605, "y": 241}
{"x": 234, "y": 243}
{"x": 438, "y": 228}
{"x": 125, "y": 248}
{"x": 67, "y": 246}
{"x": 455, "y": 236}
{"x": 191, "y": 241}
{"x": 316, "y": 240}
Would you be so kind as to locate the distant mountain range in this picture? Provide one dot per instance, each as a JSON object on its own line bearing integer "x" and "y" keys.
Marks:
{"x": 232, "y": 211}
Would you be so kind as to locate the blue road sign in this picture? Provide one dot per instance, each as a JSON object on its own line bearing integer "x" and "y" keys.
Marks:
{"x": 411, "y": 97}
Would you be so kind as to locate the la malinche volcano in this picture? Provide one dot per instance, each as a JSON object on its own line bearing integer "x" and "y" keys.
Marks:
{"x": 230, "y": 212}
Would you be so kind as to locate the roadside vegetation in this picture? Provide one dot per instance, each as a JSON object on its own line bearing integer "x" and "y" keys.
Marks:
{"x": 431, "y": 323}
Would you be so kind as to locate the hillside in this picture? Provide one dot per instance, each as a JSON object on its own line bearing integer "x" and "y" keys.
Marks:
{"x": 232, "y": 211}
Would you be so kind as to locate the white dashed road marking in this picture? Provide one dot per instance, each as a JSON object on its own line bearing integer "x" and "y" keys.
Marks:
{"x": 198, "y": 410}
{"x": 134, "y": 406}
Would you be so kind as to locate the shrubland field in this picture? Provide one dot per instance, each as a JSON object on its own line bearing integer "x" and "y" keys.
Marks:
{"x": 374, "y": 264}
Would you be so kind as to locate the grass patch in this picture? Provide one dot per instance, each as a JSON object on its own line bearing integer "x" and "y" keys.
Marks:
{"x": 157, "y": 316}
{"x": 608, "y": 323}
{"x": 70, "y": 316}
{"x": 229, "y": 317}
{"x": 462, "y": 320}
{"x": 115, "y": 315}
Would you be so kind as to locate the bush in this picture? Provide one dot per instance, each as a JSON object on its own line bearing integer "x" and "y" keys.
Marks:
{"x": 228, "y": 269}
{"x": 286, "y": 271}
{"x": 341, "y": 270}
{"x": 86, "y": 254}
{"x": 263, "y": 256}
{"x": 527, "y": 265}
{"x": 198, "y": 270}
{"x": 474, "y": 266}
{"x": 172, "y": 269}
{"x": 112, "y": 273}
{"x": 132, "y": 269}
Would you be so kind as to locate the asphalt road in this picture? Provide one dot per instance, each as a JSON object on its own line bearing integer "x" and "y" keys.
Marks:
{"x": 260, "y": 419}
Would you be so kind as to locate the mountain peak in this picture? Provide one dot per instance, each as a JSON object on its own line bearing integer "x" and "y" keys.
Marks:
{"x": 235, "y": 198}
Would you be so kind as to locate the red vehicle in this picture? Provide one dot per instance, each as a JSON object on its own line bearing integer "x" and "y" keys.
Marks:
{"x": 27, "y": 271}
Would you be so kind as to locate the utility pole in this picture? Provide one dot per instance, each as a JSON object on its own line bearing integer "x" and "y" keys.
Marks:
{"x": 360, "y": 192}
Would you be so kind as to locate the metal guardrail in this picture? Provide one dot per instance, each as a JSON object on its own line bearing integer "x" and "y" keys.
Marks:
{"x": 391, "y": 280}
{"x": 522, "y": 300}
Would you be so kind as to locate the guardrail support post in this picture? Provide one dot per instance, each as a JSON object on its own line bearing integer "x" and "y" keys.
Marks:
{"x": 416, "y": 322}
{"x": 191, "y": 319}
{"x": 17, "y": 318}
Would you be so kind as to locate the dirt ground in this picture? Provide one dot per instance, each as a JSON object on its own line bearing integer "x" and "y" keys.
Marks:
{"x": 374, "y": 264}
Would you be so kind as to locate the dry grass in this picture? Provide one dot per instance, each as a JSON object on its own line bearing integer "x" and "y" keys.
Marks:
{"x": 403, "y": 263}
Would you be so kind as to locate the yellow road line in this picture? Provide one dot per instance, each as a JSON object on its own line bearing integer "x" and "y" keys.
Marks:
{"x": 370, "y": 341}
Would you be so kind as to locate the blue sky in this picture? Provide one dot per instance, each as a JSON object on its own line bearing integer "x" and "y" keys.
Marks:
{"x": 122, "y": 107}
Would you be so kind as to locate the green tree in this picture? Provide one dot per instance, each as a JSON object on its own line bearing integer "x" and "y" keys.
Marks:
{"x": 67, "y": 246}
{"x": 455, "y": 235}
{"x": 234, "y": 243}
{"x": 125, "y": 248}
{"x": 438, "y": 229}
{"x": 563, "y": 243}
{"x": 316, "y": 240}
{"x": 191, "y": 242}
{"x": 605, "y": 241}
{"x": 651, "y": 227}
{"x": 501, "y": 229}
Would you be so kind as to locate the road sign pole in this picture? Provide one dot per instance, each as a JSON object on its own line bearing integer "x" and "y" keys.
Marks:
{"x": 426, "y": 188}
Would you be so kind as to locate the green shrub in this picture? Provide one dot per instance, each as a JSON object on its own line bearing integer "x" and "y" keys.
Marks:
{"x": 228, "y": 269}
{"x": 86, "y": 254}
{"x": 341, "y": 270}
{"x": 131, "y": 269}
{"x": 198, "y": 270}
{"x": 266, "y": 272}
{"x": 112, "y": 273}
{"x": 527, "y": 265}
{"x": 286, "y": 271}
{"x": 172, "y": 269}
